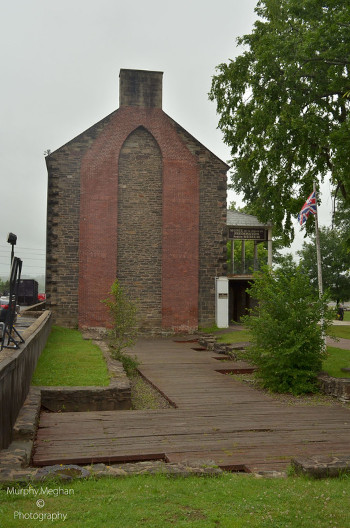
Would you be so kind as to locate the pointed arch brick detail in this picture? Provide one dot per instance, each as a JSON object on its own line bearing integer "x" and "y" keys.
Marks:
{"x": 139, "y": 233}
{"x": 98, "y": 238}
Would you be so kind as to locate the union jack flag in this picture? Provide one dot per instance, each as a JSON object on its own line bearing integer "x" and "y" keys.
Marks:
{"x": 309, "y": 207}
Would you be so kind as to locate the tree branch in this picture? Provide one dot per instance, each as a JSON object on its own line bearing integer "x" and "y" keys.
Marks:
{"x": 338, "y": 62}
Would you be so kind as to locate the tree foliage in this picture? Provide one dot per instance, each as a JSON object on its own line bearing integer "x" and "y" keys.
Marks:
{"x": 287, "y": 339}
{"x": 335, "y": 263}
{"x": 341, "y": 220}
{"x": 284, "y": 106}
{"x": 4, "y": 286}
{"x": 249, "y": 254}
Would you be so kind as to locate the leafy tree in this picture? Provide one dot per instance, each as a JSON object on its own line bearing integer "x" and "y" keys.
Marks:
{"x": 287, "y": 339}
{"x": 249, "y": 254}
{"x": 123, "y": 314}
{"x": 285, "y": 260}
{"x": 335, "y": 263}
{"x": 341, "y": 220}
{"x": 284, "y": 106}
{"x": 4, "y": 286}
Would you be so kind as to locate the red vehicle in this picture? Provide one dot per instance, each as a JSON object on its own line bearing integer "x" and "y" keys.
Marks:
{"x": 4, "y": 306}
{"x": 4, "y": 302}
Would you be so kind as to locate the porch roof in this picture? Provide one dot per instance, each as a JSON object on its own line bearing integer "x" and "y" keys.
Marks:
{"x": 236, "y": 219}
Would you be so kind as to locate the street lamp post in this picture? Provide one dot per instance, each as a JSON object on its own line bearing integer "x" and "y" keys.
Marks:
{"x": 12, "y": 239}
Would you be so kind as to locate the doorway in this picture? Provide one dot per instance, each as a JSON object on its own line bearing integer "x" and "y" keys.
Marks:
{"x": 240, "y": 302}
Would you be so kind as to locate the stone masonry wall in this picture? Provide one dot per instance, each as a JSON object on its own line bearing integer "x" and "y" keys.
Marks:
{"x": 139, "y": 260}
{"x": 63, "y": 213}
{"x": 17, "y": 367}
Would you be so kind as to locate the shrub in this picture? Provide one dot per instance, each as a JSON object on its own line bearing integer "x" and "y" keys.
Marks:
{"x": 287, "y": 330}
{"x": 123, "y": 314}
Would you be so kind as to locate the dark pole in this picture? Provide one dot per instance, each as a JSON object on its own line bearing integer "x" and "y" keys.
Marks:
{"x": 12, "y": 239}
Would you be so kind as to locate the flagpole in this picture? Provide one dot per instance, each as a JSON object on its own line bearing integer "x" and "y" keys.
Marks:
{"x": 318, "y": 250}
{"x": 319, "y": 269}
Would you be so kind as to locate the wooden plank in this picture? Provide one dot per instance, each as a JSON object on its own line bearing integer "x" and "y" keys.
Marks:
{"x": 217, "y": 417}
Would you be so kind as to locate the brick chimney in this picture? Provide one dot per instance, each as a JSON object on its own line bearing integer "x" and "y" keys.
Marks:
{"x": 140, "y": 88}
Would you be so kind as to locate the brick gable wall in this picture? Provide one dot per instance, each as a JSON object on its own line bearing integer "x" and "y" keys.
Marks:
{"x": 89, "y": 221}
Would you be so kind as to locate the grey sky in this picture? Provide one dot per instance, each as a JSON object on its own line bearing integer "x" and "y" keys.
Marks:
{"x": 60, "y": 66}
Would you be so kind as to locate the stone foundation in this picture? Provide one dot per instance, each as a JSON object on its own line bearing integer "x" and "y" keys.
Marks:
{"x": 82, "y": 399}
{"x": 337, "y": 387}
{"x": 16, "y": 370}
{"x": 321, "y": 466}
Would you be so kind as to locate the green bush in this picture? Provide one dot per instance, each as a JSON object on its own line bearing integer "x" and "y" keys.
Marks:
{"x": 287, "y": 328}
{"x": 130, "y": 363}
{"x": 123, "y": 314}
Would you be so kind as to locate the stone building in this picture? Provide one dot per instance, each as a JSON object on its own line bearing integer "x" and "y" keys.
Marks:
{"x": 135, "y": 197}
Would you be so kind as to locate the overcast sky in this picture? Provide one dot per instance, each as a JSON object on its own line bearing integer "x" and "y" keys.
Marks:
{"x": 60, "y": 63}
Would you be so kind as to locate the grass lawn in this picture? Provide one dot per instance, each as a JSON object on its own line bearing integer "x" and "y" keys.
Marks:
{"x": 340, "y": 331}
{"x": 243, "y": 335}
{"x": 237, "y": 336}
{"x": 70, "y": 360}
{"x": 228, "y": 501}
{"x": 209, "y": 329}
{"x": 337, "y": 358}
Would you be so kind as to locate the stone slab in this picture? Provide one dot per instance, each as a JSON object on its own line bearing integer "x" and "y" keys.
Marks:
{"x": 321, "y": 466}
{"x": 28, "y": 417}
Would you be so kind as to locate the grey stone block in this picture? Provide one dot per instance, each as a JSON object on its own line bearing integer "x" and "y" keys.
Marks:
{"x": 321, "y": 466}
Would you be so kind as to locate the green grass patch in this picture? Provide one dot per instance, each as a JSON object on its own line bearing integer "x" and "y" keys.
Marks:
{"x": 130, "y": 363}
{"x": 346, "y": 315}
{"x": 340, "y": 331}
{"x": 209, "y": 329}
{"x": 228, "y": 501}
{"x": 337, "y": 358}
{"x": 237, "y": 336}
{"x": 70, "y": 360}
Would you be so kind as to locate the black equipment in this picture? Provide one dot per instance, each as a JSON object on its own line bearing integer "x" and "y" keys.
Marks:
{"x": 8, "y": 331}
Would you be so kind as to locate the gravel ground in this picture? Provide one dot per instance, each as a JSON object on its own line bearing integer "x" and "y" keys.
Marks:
{"x": 144, "y": 396}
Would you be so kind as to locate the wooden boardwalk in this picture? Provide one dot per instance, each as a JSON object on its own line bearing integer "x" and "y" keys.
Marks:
{"x": 216, "y": 418}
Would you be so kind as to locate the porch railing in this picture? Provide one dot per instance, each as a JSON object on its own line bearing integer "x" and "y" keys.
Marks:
{"x": 246, "y": 267}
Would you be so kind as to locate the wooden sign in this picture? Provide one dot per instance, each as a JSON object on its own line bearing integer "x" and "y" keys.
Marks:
{"x": 247, "y": 233}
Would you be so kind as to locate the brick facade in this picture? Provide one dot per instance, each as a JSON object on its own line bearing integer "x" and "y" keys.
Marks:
{"x": 138, "y": 198}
